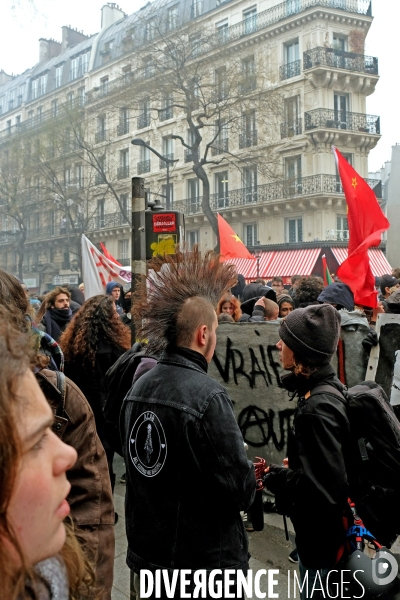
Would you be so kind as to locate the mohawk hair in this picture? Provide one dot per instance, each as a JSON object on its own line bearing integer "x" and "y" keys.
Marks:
{"x": 160, "y": 297}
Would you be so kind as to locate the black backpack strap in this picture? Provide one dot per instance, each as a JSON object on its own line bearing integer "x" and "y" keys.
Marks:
{"x": 60, "y": 412}
{"x": 328, "y": 389}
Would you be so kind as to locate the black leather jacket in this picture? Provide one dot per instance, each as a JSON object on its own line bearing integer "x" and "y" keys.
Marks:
{"x": 187, "y": 471}
{"x": 313, "y": 491}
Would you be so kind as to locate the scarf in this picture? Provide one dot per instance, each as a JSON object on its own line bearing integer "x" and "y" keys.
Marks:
{"x": 61, "y": 316}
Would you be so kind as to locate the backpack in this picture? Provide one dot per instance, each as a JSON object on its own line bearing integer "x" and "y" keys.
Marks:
{"x": 374, "y": 476}
{"x": 118, "y": 381}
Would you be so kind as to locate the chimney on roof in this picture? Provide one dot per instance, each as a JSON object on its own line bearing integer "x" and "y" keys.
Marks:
{"x": 4, "y": 77}
{"x": 71, "y": 37}
{"x": 110, "y": 14}
{"x": 48, "y": 49}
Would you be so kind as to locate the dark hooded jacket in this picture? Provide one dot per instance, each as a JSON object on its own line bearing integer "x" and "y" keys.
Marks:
{"x": 339, "y": 294}
{"x": 313, "y": 491}
{"x": 392, "y": 304}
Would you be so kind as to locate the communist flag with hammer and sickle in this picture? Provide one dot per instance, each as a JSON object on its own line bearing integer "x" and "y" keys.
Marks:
{"x": 366, "y": 225}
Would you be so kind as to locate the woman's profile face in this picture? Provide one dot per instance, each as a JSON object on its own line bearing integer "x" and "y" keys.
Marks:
{"x": 227, "y": 308}
{"x": 285, "y": 308}
{"x": 38, "y": 504}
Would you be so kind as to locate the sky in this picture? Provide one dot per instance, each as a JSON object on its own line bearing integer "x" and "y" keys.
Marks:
{"x": 23, "y": 22}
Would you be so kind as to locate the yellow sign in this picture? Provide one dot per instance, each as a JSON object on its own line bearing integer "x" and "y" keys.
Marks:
{"x": 165, "y": 245}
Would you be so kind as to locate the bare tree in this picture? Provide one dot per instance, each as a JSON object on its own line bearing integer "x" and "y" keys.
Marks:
{"x": 192, "y": 73}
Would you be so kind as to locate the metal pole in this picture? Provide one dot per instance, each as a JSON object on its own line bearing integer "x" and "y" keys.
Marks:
{"x": 138, "y": 249}
{"x": 168, "y": 191}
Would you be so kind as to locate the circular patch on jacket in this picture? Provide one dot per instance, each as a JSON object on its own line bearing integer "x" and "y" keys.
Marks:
{"x": 147, "y": 444}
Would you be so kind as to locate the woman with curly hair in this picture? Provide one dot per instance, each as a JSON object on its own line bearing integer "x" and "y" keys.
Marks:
{"x": 40, "y": 557}
{"x": 230, "y": 305}
{"x": 92, "y": 343}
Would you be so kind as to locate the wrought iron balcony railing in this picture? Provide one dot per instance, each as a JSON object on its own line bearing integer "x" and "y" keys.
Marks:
{"x": 189, "y": 155}
{"x": 166, "y": 113}
{"x": 100, "y": 136}
{"x": 143, "y": 166}
{"x": 123, "y": 172}
{"x": 339, "y": 59}
{"x": 220, "y": 146}
{"x": 246, "y": 140}
{"x": 143, "y": 120}
{"x": 325, "y": 118}
{"x": 291, "y": 128}
{"x": 340, "y": 235}
{"x": 271, "y": 192}
{"x": 125, "y": 262}
{"x": 163, "y": 163}
{"x": 123, "y": 128}
{"x": 290, "y": 70}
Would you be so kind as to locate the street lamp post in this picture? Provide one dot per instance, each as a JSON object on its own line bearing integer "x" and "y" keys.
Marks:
{"x": 257, "y": 254}
{"x": 168, "y": 162}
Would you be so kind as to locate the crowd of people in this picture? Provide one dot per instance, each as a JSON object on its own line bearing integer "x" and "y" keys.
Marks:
{"x": 188, "y": 479}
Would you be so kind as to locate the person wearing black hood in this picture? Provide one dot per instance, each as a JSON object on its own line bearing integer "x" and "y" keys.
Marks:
{"x": 55, "y": 313}
{"x": 339, "y": 295}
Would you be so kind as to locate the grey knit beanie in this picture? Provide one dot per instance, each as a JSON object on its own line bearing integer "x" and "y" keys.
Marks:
{"x": 312, "y": 333}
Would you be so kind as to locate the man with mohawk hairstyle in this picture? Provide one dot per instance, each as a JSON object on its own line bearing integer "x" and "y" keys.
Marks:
{"x": 188, "y": 476}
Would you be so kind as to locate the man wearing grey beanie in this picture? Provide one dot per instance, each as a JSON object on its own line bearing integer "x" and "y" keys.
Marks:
{"x": 313, "y": 490}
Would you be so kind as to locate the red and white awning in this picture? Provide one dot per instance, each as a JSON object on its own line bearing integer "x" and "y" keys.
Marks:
{"x": 378, "y": 261}
{"x": 282, "y": 263}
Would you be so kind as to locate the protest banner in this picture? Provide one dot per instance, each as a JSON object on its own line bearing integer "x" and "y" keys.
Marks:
{"x": 98, "y": 270}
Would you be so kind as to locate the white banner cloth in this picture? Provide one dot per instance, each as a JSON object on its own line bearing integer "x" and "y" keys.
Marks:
{"x": 97, "y": 270}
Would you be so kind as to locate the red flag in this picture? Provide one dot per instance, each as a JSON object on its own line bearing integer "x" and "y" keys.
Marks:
{"x": 366, "y": 224}
{"x": 327, "y": 275}
{"x": 231, "y": 246}
{"x": 108, "y": 255}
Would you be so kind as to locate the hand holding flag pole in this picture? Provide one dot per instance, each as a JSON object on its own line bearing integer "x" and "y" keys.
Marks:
{"x": 366, "y": 225}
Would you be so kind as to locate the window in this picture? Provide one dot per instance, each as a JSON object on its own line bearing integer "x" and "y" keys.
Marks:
{"x": 339, "y": 42}
{"x": 192, "y": 238}
{"x": 248, "y": 75}
{"x": 148, "y": 66}
{"x": 144, "y": 118}
{"x": 221, "y": 140}
{"x": 79, "y": 175}
{"x": 171, "y": 193}
{"x": 349, "y": 158}
{"x": 248, "y": 137}
{"x": 167, "y": 111}
{"x": 293, "y": 175}
{"x": 100, "y": 213}
{"x": 250, "y": 20}
{"x": 11, "y": 100}
{"x": 123, "y": 126}
{"x": 222, "y": 189}
{"x": 30, "y": 116}
{"x": 250, "y": 184}
{"x": 35, "y": 88}
{"x": 70, "y": 98}
{"x": 8, "y": 127}
{"x": 150, "y": 30}
{"x": 341, "y": 107}
{"x": 168, "y": 146}
{"x": 81, "y": 96}
{"x": 221, "y": 86}
{"x": 124, "y": 249}
{"x": 54, "y": 107}
{"x": 193, "y": 195}
{"x": 74, "y": 67}
{"x": 291, "y": 52}
{"x": 197, "y": 8}
{"x": 18, "y": 121}
{"x": 123, "y": 163}
{"x": 101, "y": 129}
{"x": 125, "y": 205}
{"x": 104, "y": 85}
{"x": 250, "y": 234}
{"x": 342, "y": 228}
{"x": 21, "y": 93}
{"x": 292, "y": 124}
{"x": 42, "y": 84}
{"x": 85, "y": 62}
{"x": 39, "y": 113}
{"x": 59, "y": 72}
{"x": 67, "y": 176}
{"x": 195, "y": 44}
{"x": 222, "y": 30}
{"x": 172, "y": 17}
{"x": 292, "y": 7}
{"x": 294, "y": 230}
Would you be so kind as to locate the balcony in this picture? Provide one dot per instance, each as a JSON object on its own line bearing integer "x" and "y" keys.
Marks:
{"x": 163, "y": 163}
{"x": 125, "y": 262}
{"x": 324, "y": 118}
{"x": 166, "y": 113}
{"x": 220, "y": 146}
{"x": 338, "y": 235}
{"x": 123, "y": 128}
{"x": 189, "y": 155}
{"x": 339, "y": 59}
{"x": 291, "y": 128}
{"x": 290, "y": 70}
{"x": 123, "y": 172}
{"x": 100, "y": 136}
{"x": 143, "y": 166}
{"x": 143, "y": 120}
{"x": 286, "y": 189}
{"x": 246, "y": 140}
